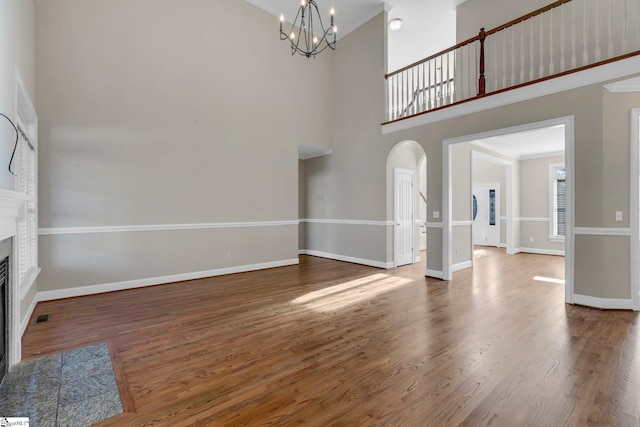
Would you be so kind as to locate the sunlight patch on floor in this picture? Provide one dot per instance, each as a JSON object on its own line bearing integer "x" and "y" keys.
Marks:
{"x": 549, "y": 280}
{"x": 353, "y": 292}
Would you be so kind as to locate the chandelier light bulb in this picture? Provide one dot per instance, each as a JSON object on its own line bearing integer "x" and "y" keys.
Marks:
{"x": 332, "y": 11}
{"x": 293, "y": 35}
{"x": 302, "y": 3}
{"x": 315, "y": 40}
{"x": 281, "y": 18}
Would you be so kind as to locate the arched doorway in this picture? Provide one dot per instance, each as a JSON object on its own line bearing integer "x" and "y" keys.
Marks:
{"x": 406, "y": 202}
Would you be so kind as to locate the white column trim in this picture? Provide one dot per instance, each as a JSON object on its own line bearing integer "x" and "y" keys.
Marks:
{"x": 634, "y": 216}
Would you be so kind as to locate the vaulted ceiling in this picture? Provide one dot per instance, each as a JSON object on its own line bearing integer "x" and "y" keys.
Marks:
{"x": 428, "y": 25}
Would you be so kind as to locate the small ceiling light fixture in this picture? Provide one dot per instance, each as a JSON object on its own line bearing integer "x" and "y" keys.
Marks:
{"x": 309, "y": 38}
{"x": 395, "y": 24}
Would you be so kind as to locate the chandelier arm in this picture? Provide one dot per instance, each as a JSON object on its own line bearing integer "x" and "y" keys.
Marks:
{"x": 305, "y": 26}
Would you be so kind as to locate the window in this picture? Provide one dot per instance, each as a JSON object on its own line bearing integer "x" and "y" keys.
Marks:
{"x": 558, "y": 193}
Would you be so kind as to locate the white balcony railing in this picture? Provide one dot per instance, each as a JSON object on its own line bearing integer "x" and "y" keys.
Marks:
{"x": 563, "y": 37}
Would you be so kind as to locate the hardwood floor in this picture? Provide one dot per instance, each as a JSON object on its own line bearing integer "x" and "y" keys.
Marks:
{"x": 331, "y": 343}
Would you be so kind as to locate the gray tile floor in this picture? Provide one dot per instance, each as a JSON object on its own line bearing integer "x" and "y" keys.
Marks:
{"x": 76, "y": 388}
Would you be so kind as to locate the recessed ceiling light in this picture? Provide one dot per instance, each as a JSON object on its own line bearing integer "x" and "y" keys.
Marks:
{"x": 395, "y": 24}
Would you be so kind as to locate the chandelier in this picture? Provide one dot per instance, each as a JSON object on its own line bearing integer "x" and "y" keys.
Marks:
{"x": 308, "y": 35}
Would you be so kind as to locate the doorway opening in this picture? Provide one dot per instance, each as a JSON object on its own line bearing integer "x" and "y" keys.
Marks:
{"x": 407, "y": 202}
{"x": 511, "y": 189}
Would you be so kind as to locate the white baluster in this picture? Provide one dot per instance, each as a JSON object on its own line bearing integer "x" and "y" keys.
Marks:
{"x": 389, "y": 98}
{"x": 468, "y": 78}
{"x": 531, "y": 54}
{"x": 406, "y": 93}
{"x": 429, "y": 97}
{"x": 402, "y": 102}
{"x": 574, "y": 60}
{"x": 412, "y": 92}
{"x": 423, "y": 101}
{"x": 551, "y": 63}
{"x": 541, "y": 67}
{"x": 562, "y": 38}
{"x": 585, "y": 35}
{"x": 598, "y": 54}
{"x": 522, "y": 53}
{"x": 610, "y": 48}
{"x": 495, "y": 68}
{"x": 513, "y": 56}
{"x": 441, "y": 94}
{"x": 445, "y": 70}
{"x": 504, "y": 58}
{"x": 625, "y": 27}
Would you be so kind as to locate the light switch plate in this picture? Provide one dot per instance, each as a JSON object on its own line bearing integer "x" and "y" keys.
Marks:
{"x": 618, "y": 216}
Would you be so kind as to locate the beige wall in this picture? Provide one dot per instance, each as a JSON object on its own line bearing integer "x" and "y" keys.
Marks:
{"x": 352, "y": 180}
{"x": 586, "y": 105}
{"x": 148, "y": 125}
{"x": 149, "y": 116}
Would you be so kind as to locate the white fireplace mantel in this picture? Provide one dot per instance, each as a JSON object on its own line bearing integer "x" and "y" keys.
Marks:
{"x": 12, "y": 208}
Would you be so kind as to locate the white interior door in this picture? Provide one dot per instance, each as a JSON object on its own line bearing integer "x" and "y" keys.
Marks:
{"x": 404, "y": 216}
{"x": 486, "y": 214}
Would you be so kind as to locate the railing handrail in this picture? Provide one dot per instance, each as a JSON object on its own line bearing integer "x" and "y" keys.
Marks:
{"x": 527, "y": 16}
{"x": 533, "y": 49}
{"x": 487, "y": 33}
{"x": 435, "y": 55}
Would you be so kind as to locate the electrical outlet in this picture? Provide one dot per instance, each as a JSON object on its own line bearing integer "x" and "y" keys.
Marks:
{"x": 436, "y": 214}
{"x": 456, "y": 251}
{"x": 618, "y": 216}
{"x": 228, "y": 254}
{"x": 530, "y": 239}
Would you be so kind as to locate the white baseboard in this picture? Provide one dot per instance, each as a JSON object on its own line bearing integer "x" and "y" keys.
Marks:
{"x": 369, "y": 262}
{"x": 502, "y": 245}
{"x": 539, "y": 251}
{"x": 132, "y": 284}
{"x": 604, "y": 303}
{"x": 461, "y": 266}
{"x": 435, "y": 274}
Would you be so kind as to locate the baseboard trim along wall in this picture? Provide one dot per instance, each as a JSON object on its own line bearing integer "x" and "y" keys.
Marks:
{"x": 539, "y": 251}
{"x": 435, "y": 274}
{"x": 354, "y": 260}
{"x": 461, "y": 266}
{"x": 160, "y": 227}
{"x": 603, "y": 303}
{"x": 151, "y": 281}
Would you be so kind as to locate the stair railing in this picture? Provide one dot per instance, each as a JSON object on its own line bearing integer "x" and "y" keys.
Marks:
{"x": 564, "y": 37}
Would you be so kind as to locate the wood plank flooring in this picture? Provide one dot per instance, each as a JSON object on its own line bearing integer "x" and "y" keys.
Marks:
{"x": 328, "y": 343}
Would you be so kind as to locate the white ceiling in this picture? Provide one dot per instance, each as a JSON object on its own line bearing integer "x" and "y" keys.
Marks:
{"x": 525, "y": 145}
{"x": 428, "y": 25}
